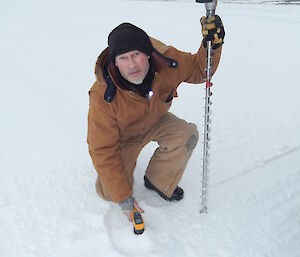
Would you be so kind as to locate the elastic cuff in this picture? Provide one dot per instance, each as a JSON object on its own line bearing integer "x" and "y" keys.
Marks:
{"x": 127, "y": 204}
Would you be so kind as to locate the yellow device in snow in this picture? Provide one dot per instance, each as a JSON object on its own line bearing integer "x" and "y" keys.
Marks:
{"x": 138, "y": 222}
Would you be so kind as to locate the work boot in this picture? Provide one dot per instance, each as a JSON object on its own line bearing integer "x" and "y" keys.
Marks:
{"x": 176, "y": 196}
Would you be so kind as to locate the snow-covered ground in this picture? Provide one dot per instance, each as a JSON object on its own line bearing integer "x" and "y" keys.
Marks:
{"x": 265, "y": 2}
{"x": 48, "y": 205}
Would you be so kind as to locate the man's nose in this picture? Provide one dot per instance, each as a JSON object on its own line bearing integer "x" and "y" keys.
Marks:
{"x": 131, "y": 62}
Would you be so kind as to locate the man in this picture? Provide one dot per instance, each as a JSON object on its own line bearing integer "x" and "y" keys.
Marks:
{"x": 137, "y": 78}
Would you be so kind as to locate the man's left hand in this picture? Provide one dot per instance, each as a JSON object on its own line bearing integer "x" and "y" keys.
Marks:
{"x": 212, "y": 30}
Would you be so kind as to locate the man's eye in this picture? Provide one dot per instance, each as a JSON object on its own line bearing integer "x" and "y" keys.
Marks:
{"x": 137, "y": 53}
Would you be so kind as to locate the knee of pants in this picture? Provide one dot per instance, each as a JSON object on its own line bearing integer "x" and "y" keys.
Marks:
{"x": 186, "y": 137}
{"x": 193, "y": 136}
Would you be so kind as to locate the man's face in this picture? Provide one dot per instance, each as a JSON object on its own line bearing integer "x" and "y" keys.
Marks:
{"x": 133, "y": 66}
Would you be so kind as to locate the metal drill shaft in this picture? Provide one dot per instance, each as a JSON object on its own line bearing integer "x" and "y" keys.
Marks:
{"x": 210, "y": 11}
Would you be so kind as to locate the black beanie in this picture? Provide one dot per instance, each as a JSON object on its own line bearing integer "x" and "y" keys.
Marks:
{"x": 127, "y": 37}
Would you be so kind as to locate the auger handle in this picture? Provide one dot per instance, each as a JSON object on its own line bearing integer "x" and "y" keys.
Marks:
{"x": 210, "y": 6}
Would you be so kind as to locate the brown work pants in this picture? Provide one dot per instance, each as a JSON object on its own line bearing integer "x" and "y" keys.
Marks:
{"x": 176, "y": 139}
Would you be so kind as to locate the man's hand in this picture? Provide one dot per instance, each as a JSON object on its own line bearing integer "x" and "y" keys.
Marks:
{"x": 127, "y": 207}
{"x": 212, "y": 30}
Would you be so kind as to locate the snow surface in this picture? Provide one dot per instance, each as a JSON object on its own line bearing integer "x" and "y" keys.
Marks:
{"x": 48, "y": 205}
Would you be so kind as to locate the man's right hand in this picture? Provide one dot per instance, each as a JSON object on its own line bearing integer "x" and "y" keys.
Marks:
{"x": 127, "y": 206}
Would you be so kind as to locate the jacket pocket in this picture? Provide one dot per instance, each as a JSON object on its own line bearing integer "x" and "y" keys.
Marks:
{"x": 167, "y": 96}
{"x": 165, "y": 101}
{"x": 170, "y": 96}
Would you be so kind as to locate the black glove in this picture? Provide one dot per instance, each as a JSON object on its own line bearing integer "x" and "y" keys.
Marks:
{"x": 212, "y": 30}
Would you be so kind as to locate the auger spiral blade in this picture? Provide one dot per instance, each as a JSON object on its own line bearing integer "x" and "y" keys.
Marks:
{"x": 210, "y": 6}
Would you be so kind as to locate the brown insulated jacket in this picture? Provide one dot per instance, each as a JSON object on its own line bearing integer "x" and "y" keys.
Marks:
{"x": 129, "y": 114}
